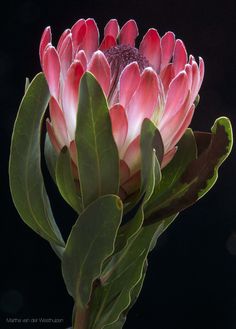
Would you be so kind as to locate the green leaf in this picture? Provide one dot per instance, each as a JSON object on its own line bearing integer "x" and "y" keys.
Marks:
{"x": 65, "y": 181}
{"x": 217, "y": 152}
{"x": 152, "y": 151}
{"x": 114, "y": 296}
{"x": 26, "y": 180}
{"x": 198, "y": 176}
{"x": 51, "y": 156}
{"x": 135, "y": 292}
{"x": 98, "y": 158}
{"x": 58, "y": 250}
{"x": 118, "y": 324}
{"x": 151, "y": 144}
{"x": 186, "y": 153}
{"x": 90, "y": 242}
{"x": 150, "y": 175}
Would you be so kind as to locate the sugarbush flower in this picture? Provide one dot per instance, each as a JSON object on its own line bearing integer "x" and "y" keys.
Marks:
{"x": 118, "y": 112}
{"x": 156, "y": 80}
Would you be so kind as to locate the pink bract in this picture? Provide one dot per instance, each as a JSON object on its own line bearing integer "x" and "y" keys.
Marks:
{"x": 156, "y": 80}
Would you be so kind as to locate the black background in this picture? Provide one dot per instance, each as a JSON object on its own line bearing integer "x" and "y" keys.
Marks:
{"x": 191, "y": 280}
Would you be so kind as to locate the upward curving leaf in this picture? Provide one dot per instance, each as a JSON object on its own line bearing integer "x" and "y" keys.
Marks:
{"x": 26, "y": 180}
{"x": 118, "y": 292}
{"x": 90, "y": 242}
{"x": 98, "y": 158}
{"x": 151, "y": 155}
{"x": 65, "y": 180}
{"x": 186, "y": 153}
{"x": 51, "y": 157}
{"x": 152, "y": 151}
{"x": 199, "y": 175}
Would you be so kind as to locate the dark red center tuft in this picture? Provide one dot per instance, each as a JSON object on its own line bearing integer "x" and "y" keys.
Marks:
{"x": 121, "y": 55}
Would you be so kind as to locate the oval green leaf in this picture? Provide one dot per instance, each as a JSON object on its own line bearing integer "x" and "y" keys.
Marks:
{"x": 98, "y": 158}
{"x": 90, "y": 242}
{"x": 65, "y": 180}
{"x": 26, "y": 180}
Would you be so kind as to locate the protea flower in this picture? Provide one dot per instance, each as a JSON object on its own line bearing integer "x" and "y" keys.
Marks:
{"x": 155, "y": 80}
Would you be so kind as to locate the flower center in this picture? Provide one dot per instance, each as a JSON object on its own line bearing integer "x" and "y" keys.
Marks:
{"x": 119, "y": 57}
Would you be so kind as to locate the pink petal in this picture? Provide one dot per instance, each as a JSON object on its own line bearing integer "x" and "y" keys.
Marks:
{"x": 81, "y": 57}
{"x": 124, "y": 172}
{"x": 119, "y": 124}
{"x": 182, "y": 128}
{"x": 101, "y": 70}
{"x": 65, "y": 54}
{"x": 52, "y": 136}
{"x": 180, "y": 56}
{"x": 71, "y": 96}
{"x": 78, "y": 31}
{"x": 90, "y": 41}
{"x": 45, "y": 40}
{"x": 188, "y": 70}
{"x": 112, "y": 29}
{"x": 129, "y": 33}
{"x": 167, "y": 75}
{"x": 150, "y": 48}
{"x": 51, "y": 68}
{"x": 167, "y": 48}
{"x": 107, "y": 43}
{"x": 176, "y": 96}
{"x": 168, "y": 157}
{"x": 133, "y": 183}
{"x": 195, "y": 81}
{"x": 191, "y": 59}
{"x": 170, "y": 125}
{"x": 143, "y": 102}
{"x": 58, "y": 122}
{"x": 201, "y": 69}
{"x": 129, "y": 81}
{"x": 62, "y": 38}
{"x": 133, "y": 155}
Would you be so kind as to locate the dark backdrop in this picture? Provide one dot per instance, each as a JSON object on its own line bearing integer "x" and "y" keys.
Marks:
{"x": 191, "y": 280}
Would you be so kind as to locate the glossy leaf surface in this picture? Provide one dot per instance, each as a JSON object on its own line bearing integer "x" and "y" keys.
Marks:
{"x": 65, "y": 180}
{"x": 90, "y": 242}
{"x": 98, "y": 158}
{"x": 26, "y": 180}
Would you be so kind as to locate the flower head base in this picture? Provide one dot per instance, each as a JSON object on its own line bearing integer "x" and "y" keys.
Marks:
{"x": 155, "y": 81}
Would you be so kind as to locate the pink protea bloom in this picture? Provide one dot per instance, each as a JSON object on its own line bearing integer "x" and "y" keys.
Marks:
{"x": 156, "y": 80}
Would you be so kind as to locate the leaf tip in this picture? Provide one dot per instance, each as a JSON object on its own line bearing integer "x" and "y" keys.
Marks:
{"x": 225, "y": 123}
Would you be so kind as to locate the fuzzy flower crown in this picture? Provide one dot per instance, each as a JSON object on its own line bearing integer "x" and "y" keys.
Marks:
{"x": 156, "y": 81}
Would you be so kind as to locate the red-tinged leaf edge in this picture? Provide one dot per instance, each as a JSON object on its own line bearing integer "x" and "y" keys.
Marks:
{"x": 201, "y": 174}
